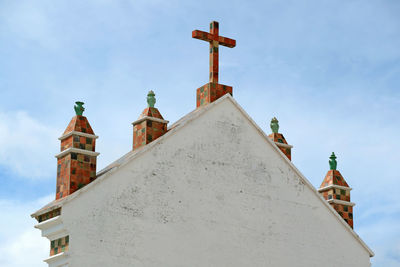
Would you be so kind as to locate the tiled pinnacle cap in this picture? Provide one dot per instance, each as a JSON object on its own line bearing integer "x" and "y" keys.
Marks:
{"x": 333, "y": 177}
{"x": 275, "y": 136}
{"x": 79, "y": 123}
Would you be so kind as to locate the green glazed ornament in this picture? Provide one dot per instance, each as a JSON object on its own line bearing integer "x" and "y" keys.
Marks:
{"x": 332, "y": 161}
{"x": 151, "y": 100}
{"x": 274, "y": 125}
{"x": 79, "y": 109}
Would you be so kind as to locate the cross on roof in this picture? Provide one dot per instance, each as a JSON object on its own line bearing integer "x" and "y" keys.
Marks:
{"x": 215, "y": 40}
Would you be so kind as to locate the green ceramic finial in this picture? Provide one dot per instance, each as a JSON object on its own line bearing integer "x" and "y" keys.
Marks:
{"x": 332, "y": 161}
{"x": 274, "y": 125}
{"x": 79, "y": 109}
{"x": 151, "y": 100}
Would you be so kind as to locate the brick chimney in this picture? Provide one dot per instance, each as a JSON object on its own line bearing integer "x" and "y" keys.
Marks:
{"x": 76, "y": 164}
{"x": 279, "y": 139}
{"x": 337, "y": 192}
{"x": 150, "y": 125}
{"x": 213, "y": 90}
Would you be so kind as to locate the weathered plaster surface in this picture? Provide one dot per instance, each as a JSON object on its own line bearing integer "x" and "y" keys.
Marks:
{"x": 214, "y": 193}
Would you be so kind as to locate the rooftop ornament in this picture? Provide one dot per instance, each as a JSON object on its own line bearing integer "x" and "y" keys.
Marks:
{"x": 79, "y": 109}
{"x": 332, "y": 161}
{"x": 215, "y": 41}
{"x": 274, "y": 125}
{"x": 151, "y": 100}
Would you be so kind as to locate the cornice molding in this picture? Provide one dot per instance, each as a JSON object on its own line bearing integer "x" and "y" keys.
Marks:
{"x": 77, "y": 150}
{"x": 60, "y": 259}
{"x": 341, "y": 202}
{"x": 78, "y": 133}
{"x": 322, "y": 189}
{"x": 52, "y": 228}
{"x": 149, "y": 119}
{"x": 283, "y": 145}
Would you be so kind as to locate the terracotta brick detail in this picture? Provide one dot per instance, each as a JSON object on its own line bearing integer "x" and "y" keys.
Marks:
{"x": 336, "y": 193}
{"x": 279, "y": 139}
{"x": 151, "y": 112}
{"x": 286, "y": 151}
{"x": 75, "y": 170}
{"x": 213, "y": 90}
{"x": 345, "y": 211}
{"x": 59, "y": 245}
{"x": 333, "y": 177}
{"x": 76, "y": 141}
{"x": 49, "y": 215}
{"x": 342, "y": 193}
{"x": 148, "y": 130}
{"x": 210, "y": 92}
{"x": 79, "y": 124}
{"x": 66, "y": 143}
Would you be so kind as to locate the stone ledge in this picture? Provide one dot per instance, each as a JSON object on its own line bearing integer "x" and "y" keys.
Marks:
{"x": 77, "y": 150}
{"x": 283, "y": 145}
{"x": 78, "y": 133}
{"x": 52, "y": 228}
{"x": 334, "y": 186}
{"x": 150, "y": 119}
{"x": 58, "y": 260}
{"x": 341, "y": 202}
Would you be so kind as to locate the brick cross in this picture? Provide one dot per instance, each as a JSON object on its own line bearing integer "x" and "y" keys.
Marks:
{"x": 215, "y": 40}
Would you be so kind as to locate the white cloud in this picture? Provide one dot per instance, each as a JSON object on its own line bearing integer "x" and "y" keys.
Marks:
{"x": 29, "y": 21}
{"x": 384, "y": 236}
{"x": 27, "y": 249}
{"x": 21, "y": 244}
{"x": 27, "y": 145}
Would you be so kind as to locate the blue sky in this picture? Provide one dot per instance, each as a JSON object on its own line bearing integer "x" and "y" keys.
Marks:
{"x": 328, "y": 70}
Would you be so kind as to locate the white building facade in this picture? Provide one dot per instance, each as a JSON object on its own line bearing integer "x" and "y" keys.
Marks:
{"x": 213, "y": 190}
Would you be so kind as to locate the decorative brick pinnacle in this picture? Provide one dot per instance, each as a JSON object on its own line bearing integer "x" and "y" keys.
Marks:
{"x": 76, "y": 162}
{"x": 150, "y": 125}
{"x": 336, "y": 191}
{"x": 279, "y": 139}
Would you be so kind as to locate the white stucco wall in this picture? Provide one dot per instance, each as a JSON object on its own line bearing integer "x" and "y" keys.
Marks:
{"x": 214, "y": 193}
